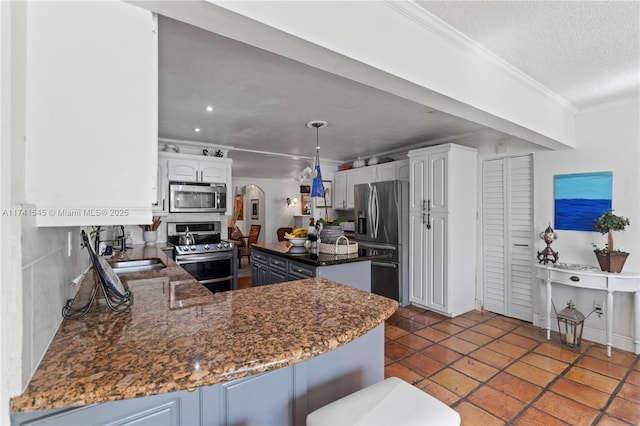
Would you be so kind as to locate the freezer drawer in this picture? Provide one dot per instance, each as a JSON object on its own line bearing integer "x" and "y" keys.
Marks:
{"x": 385, "y": 280}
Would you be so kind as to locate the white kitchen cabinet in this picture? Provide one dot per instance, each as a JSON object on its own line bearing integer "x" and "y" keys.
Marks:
{"x": 184, "y": 170}
{"x": 354, "y": 177}
{"x": 343, "y": 183}
{"x": 442, "y": 228}
{"x": 386, "y": 171}
{"x": 394, "y": 170}
{"x": 402, "y": 170}
{"x": 340, "y": 190}
{"x": 198, "y": 168}
{"x": 91, "y": 96}
{"x": 213, "y": 170}
{"x": 161, "y": 206}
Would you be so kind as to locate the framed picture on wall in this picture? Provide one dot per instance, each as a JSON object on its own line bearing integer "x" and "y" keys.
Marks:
{"x": 580, "y": 198}
{"x": 326, "y": 201}
{"x": 305, "y": 206}
{"x": 255, "y": 209}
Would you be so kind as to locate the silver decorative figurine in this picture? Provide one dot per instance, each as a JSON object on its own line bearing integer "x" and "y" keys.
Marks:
{"x": 548, "y": 255}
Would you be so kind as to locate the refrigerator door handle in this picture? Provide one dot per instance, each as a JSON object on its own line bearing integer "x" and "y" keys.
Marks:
{"x": 385, "y": 265}
{"x": 376, "y": 210}
{"x": 368, "y": 245}
{"x": 372, "y": 219}
{"x": 369, "y": 213}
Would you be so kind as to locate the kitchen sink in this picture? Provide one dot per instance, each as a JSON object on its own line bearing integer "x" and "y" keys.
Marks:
{"x": 126, "y": 266}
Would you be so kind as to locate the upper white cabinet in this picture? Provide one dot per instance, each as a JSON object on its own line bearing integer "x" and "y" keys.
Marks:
{"x": 402, "y": 170}
{"x": 340, "y": 190}
{"x": 212, "y": 170}
{"x": 386, "y": 171}
{"x": 91, "y": 96}
{"x": 197, "y": 168}
{"x": 442, "y": 228}
{"x": 161, "y": 206}
{"x": 344, "y": 181}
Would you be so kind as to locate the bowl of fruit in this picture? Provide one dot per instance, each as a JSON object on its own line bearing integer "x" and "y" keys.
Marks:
{"x": 297, "y": 237}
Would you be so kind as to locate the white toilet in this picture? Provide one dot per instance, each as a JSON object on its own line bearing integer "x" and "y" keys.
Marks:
{"x": 389, "y": 402}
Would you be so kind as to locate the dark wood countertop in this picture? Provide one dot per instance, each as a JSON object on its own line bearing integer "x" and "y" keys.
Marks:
{"x": 179, "y": 336}
{"x": 284, "y": 249}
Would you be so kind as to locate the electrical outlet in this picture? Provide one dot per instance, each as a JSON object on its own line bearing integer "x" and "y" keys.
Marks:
{"x": 598, "y": 305}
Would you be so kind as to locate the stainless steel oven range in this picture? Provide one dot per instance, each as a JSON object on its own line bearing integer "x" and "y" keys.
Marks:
{"x": 214, "y": 263}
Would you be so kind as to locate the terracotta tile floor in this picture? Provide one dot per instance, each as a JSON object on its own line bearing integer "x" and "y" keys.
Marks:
{"x": 497, "y": 370}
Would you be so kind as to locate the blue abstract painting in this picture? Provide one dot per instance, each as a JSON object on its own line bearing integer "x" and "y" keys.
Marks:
{"x": 580, "y": 198}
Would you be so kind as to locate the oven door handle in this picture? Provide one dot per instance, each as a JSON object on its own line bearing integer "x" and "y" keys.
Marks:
{"x": 217, "y": 280}
{"x": 203, "y": 258}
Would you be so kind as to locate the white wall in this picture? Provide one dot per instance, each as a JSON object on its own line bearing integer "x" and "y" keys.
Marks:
{"x": 276, "y": 213}
{"x": 250, "y": 193}
{"x": 607, "y": 140}
{"x": 276, "y": 192}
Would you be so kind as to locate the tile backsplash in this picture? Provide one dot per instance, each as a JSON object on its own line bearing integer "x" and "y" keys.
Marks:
{"x": 47, "y": 271}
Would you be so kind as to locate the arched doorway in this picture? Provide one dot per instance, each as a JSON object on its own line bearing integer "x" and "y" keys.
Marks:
{"x": 249, "y": 209}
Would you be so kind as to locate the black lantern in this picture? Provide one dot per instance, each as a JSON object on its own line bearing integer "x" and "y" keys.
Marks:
{"x": 570, "y": 324}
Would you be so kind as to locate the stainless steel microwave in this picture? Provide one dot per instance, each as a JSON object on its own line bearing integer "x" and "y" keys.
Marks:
{"x": 195, "y": 197}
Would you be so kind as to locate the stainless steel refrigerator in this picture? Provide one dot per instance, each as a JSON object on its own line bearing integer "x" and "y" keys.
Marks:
{"x": 382, "y": 223}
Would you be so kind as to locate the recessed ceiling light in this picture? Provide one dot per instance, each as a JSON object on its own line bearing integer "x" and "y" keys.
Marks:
{"x": 209, "y": 108}
{"x": 196, "y": 129}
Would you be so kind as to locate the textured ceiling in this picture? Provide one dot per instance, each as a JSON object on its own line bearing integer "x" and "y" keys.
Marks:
{"x": 588, "y": 52}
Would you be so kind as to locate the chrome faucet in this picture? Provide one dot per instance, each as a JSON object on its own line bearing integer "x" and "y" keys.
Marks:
{"x": 123, "y": 240}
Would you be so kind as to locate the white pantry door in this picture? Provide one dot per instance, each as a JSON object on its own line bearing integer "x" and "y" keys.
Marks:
{"x": 507, "y": 192}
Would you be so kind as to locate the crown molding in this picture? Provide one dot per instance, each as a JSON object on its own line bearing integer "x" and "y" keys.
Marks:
{"x": 607, "y": 105}
{"x": 427, "y": 20}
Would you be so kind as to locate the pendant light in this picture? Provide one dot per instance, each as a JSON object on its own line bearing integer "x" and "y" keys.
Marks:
{"x": 317, "y": 188}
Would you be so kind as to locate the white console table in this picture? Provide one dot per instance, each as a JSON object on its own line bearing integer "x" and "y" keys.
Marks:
{"x": 595, "y": 280}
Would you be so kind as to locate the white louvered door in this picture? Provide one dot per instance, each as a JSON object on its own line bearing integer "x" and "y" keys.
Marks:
{"x": 508, "y": 236}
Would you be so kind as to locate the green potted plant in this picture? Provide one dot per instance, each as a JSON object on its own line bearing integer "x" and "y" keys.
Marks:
{"x": 610, "y": 258}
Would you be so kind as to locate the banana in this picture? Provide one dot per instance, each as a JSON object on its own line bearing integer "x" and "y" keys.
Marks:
{"x": 296, "y": 233}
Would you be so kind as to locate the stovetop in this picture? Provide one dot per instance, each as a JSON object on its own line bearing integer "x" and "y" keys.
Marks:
{"x": 221, "y": 246}
{"x": 206, "y": 236}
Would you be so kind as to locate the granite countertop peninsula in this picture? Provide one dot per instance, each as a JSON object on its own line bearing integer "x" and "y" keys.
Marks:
{"x": 285, "y": 249}
{"x": 180, "y": 336}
